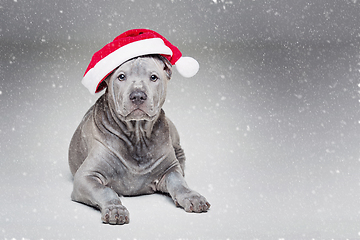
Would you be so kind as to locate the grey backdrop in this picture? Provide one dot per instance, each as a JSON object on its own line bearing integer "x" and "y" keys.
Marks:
{"x": 270, "y": 124}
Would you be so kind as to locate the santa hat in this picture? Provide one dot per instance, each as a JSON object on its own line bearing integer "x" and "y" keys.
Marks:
{"x": 130, "y": 44}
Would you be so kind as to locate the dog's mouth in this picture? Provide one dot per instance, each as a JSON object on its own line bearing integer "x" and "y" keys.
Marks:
{"x": 139, "y": 114}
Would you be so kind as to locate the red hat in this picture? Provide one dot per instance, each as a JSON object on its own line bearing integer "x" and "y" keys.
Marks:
{"x": 130, "y": 44}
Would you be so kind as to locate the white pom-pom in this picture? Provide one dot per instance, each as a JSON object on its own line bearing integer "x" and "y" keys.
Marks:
{"x": 187, "y": 66}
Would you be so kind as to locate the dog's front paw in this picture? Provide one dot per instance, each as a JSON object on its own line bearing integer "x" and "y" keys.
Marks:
{"x": 192, "y": 201}
{"x": 115, "y": 214}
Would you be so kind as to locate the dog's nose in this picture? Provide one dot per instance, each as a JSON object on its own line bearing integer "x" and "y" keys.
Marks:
{"x": 138, "y": 97}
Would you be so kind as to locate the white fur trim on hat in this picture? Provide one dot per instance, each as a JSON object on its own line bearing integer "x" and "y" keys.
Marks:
{"x": 106, "y": 65}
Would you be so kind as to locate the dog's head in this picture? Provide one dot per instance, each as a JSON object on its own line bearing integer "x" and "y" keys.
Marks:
{"x": 136, "y": 90}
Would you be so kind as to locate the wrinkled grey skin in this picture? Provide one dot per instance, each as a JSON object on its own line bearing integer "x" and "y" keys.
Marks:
{"x": 126, "y": 146}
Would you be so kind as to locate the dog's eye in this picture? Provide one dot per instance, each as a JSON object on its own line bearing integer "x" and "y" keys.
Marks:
{"x": 121, "y": 77}
{"x": 154, "y": 78}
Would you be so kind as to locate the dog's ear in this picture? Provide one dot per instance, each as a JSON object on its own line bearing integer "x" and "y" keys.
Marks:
{"x": 167, "y": 66}
{"x": 106, "y": 81}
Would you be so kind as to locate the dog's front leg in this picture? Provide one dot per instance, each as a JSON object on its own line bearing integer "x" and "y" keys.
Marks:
{"x": 182, "y": 195}
{"x": 89, "y": 189}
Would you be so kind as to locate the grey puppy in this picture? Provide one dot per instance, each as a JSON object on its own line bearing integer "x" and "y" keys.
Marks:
{"x": 125, "y": 145}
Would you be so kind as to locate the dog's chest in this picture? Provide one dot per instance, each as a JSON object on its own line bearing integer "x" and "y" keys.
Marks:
{"x": 141, "y": 166}
{"x": 140, "y": 174}
{"x": 139, "y": 153}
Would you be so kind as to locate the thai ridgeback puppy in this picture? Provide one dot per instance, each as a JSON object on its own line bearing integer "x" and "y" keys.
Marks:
{"x": 125, "y": 145}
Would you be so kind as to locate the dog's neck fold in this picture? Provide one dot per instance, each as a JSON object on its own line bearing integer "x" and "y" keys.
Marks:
{"x": 140, "y": 128}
